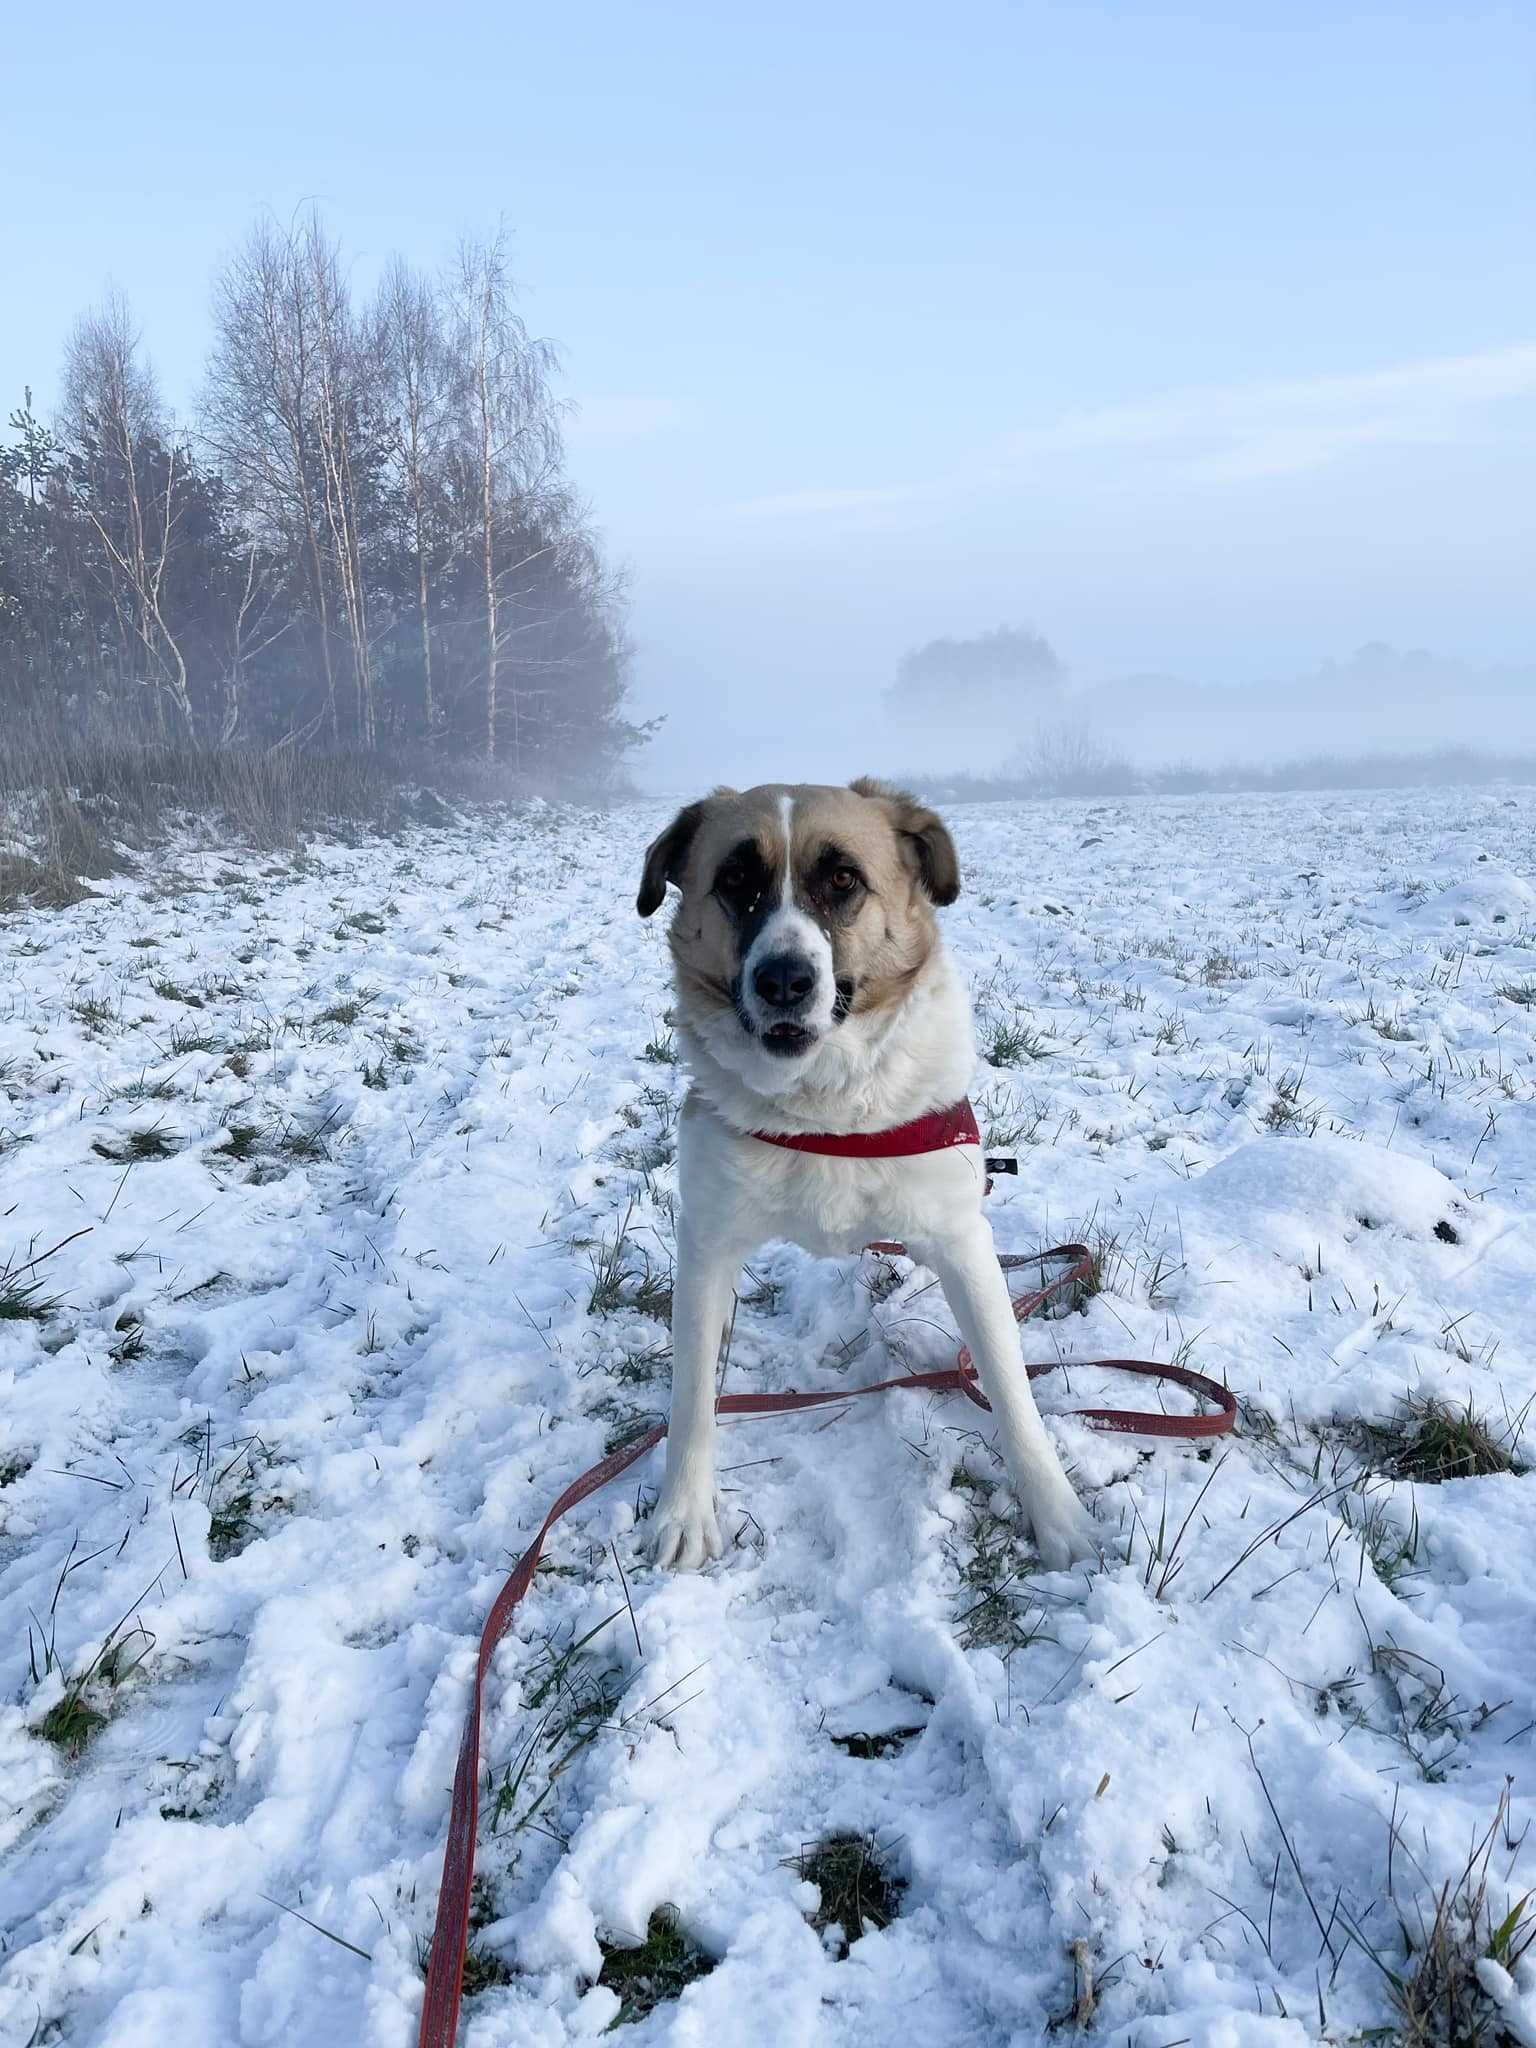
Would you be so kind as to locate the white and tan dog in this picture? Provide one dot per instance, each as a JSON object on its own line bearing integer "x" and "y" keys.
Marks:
{"x": 815, "y": 995}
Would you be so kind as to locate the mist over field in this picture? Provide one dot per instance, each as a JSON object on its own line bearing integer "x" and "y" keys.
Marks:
{"x": 1380, "y": 703}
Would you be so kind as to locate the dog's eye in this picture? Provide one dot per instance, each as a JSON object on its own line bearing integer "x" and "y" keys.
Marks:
{"x": 733, "y": 880}
{"x": 843, "y": 881}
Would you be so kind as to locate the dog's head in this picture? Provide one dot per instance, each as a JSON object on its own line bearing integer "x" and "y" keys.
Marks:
{"x": 801, "y": 907}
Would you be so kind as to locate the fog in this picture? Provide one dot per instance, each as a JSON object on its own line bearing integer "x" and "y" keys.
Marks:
{"x": 1254, "y": 571}
{"x": 1377, "y": 701}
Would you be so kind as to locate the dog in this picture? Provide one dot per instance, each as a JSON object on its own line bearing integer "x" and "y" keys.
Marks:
{"x": 815, "y": 996}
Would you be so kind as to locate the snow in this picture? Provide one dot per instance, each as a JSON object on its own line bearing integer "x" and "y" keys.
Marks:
{"x": 314, "y": 1374}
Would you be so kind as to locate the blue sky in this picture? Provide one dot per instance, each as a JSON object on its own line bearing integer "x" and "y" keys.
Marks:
{"x": 1202, "y": 337}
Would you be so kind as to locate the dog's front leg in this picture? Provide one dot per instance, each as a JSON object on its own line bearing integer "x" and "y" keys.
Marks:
{"x": 977, "y": 1293}
{"x": 687, "y": 1526}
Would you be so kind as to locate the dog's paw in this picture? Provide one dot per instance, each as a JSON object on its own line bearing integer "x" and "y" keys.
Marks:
{"x": 1064, "y": 1531}
{"x": 685, "y": 1533}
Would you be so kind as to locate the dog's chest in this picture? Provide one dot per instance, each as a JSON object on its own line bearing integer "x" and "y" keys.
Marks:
{"x": 835, "y": 1206}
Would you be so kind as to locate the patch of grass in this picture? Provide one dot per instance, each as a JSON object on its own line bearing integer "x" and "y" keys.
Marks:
{"x": 27, "y": 882}
{"x": 626, "y": 1424}
{"x": 883, "y": 1279}
{"x": 1521, "y": 992}
{"x": 23, "y": 1301}
{"x": 307, "y": 1142}
{"x": 230, "y": 1528}
{"x": 172, "y": 992}
{"x": 347, "y": 1009}
{"x": 1006, "y": 1044}
{"x": 993, "y": 1564}
{"x": 645, "y": 1157}
{"x": 1392, "y": 1549}
{"x": 1428, "y": 1719}
{"x": 1219, "y": 966}
{"x": 648, "y": 1973}
{"x": 1287, "y": 1112}
{"x": 624, "y": 1276}
{"x": 240, "y": 1140}
{"x": 145, "y": 1090}
{"x": 653, "y": 1293}
{"x": 135, "y": 1148}
{"x": 483, "y": 1970}
{"x": 639, "y": 1368}
{"x": 92, "y": 1013}
{"x": 13, "y": 1467}
{"x": 1006, "y": 1121}
{"x": 134, "y": 1338}
{"x": 609, "y": 1260}
{"x": 70, "y": 1723}
{"x": 187, "y": 1038}
{"x": 1429, "y": 1441}
{"x": 576, "y": 1698}
{"x": 1439, "y": 1997}
{"x": 869, "y": 1748}
{"x": 859, "y": 1889}
{"x": 661, "y": 1048}
{"x": 764, "y": 1295}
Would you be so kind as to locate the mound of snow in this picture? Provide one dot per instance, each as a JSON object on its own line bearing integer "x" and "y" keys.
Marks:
{"x": 1293, "y": 1195}
{"x": 1489, "y": 896}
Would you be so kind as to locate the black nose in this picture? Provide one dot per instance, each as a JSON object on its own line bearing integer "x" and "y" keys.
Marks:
{"x": 784, "y": 980}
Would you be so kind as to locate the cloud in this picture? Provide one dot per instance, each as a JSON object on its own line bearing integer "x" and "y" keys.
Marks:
{"x": 1215, "y": 436}
{"x": 1281, "y": 427}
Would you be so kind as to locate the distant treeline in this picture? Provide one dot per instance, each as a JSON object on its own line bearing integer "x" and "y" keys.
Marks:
{"x": 1071, "y": 764}
{"x": 366, "y": 538}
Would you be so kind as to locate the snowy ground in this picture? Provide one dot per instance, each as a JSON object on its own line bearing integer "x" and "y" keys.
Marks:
{"x": 365, "y": 1166}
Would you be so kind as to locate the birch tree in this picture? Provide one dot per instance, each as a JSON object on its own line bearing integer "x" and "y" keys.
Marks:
{"x": 121, "y": 467}
{"x": 340, "y": 397}
{"x": 260, "y": 411}
{"x": 515, "y": 439}
{"x": 420, "y": 385}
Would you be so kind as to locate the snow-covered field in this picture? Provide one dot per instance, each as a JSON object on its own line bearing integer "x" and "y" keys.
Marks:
{"x": 361, "y": 1171}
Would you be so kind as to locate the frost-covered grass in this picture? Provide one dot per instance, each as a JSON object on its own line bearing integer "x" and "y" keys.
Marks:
{"x": 337, "y": 1198}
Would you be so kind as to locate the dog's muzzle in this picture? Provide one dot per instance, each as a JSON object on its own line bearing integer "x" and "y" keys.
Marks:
{"x": 786, "y": 990}
{"x": 784, "y": 987}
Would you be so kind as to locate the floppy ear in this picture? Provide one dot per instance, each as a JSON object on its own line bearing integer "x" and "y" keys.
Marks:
{"x": 664, "y": 858}
{"x": 924, "y": 835}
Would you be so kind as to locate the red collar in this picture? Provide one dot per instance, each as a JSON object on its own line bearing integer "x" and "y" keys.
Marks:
{"x": 935, "y": 1132}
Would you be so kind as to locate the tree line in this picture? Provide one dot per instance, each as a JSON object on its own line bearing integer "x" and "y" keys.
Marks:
{"x": 365, "y": 537}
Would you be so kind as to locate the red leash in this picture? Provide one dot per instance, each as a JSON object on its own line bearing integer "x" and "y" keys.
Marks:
{"x": 450, "y": 1934}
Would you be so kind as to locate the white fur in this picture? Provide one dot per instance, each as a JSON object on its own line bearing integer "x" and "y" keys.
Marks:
{"x": 867, "y": 1074}
{"x": 790, "y": 930}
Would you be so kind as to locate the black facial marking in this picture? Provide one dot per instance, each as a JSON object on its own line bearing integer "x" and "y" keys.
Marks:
{"x": 746, "y": 889}
{"x": 741, "y": 880}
